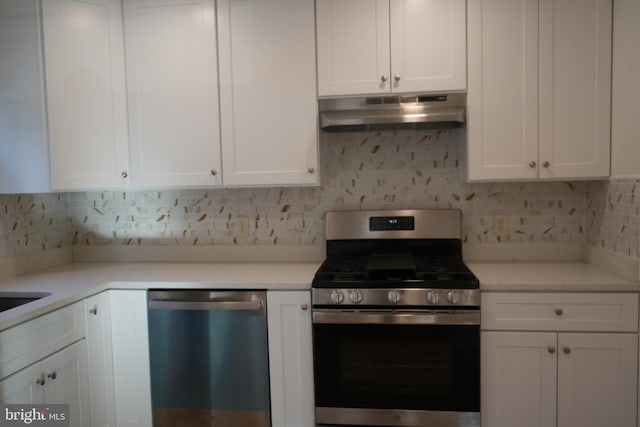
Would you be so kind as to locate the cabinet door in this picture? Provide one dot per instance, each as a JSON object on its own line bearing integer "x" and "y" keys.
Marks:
{"x": 575, "y": 88}
{"x": 290, "y": 358}
{"x": 21, "y": 387}
{"x": 625, "y": 132}
{"x": 24, "y": 150}
{"x": 597, "y": 380}
{"x": 518, "y": 379}
{"x": 353, "y": 47}
{"x": 268, "y": 92}
{"x": 428, "y": 45}
{"x": 100, "y": 361}
{"x": 130, "y": 343}
{"x": 172, "y": 92}
{"x": 502, "y": 101}
{"x": 67, "y": 382}
{"x": 86, "y": 102}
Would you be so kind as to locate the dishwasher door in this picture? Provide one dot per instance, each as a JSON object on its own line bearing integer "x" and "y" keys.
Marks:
{"x": 209, "y": 358}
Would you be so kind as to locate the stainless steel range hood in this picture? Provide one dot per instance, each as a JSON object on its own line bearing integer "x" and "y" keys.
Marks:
{"x": 442, "y": 111}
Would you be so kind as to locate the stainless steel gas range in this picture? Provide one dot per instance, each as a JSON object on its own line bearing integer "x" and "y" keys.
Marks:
{"x": 396, "y": 322}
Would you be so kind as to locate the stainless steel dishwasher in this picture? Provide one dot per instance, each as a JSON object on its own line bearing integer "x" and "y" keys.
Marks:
{"x": 209, "y": 358}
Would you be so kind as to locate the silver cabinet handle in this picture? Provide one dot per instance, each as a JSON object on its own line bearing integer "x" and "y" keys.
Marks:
{"x": 551, "y": 349}
{"x": 214, "y": 172}
{"x": 396, "y": 77}
{"x": 532, "y": 164}
{"x": 124, "y": 174}
{"x": 566, "y": 350}
{"x": 384, "y": 78}
{"x": 304, "y": 307}
{"x": 546, "y": 164}
{"x": 559, "y": 312}
{"x": 40, "y": 381}
{"x": 53, "y": 375}
{"x": 94, "y": 310}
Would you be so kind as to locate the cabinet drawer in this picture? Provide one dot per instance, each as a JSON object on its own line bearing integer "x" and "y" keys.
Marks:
{"x": 559, "y": 312}
{"x": 28, "y": 342}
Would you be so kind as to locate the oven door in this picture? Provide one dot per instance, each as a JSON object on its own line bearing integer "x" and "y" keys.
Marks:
{"x": 384, "y": 368}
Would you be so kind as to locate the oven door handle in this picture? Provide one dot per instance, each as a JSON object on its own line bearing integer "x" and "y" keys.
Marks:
{"x": 458, "y": 317}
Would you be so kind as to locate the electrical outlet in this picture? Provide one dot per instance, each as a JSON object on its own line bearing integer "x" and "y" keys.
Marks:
{"x": 240, "y": 226}
{"x": 500, "y": 225}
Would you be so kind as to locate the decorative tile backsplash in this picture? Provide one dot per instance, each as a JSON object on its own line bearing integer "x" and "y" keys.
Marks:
{"x": 613, "y": 216}
{"x": 372, "y": 170}
{"x": 31, "y": 223}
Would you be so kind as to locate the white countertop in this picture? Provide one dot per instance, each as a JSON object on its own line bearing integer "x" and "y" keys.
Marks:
{"x": 548, "y": 276}
{"x": 74, "y": 281}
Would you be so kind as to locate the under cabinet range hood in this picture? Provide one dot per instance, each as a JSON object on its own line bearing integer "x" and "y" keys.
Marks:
{"x": 442, "y": 111}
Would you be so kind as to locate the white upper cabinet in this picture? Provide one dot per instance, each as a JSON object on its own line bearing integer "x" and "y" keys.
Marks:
{"x": 353, "y": 47}
{"x": 384, "y": 46}
{"x": 575, "y": 88}
{"x": 24, "y": 149}
{"x": 539, "y": 89}
{"x": 269, "y": 117}
{"x": 625, "y": 132}
{"x": 172, "y": 92}
{"x": 502, "y": 102}
{"x": 86, "y": 100}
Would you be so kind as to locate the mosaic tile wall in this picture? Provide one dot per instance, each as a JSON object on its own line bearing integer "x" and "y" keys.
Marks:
{"x": 32, "y": 223}
{"x": 613, "y": 216}
{"x": 376, "y": 170}
{"x": 360, "y": 171}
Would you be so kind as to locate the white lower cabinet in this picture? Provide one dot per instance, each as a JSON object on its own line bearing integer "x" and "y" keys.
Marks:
{"x": 130, "y": 352}
{"x": 98, "y": 319}
{"x": 59, "y": 379}
{"x": 21, "y": 387}
{"x": 65, "y": 377}
{"x": 555, "y": 376}
{"x": 290, "y": 358}
{"x": 44, "y": 361}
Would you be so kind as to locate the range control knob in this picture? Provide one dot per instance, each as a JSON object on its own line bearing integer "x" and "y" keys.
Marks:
{"x": 432, "y": 297}
{"x": 355, "y": 296}
{"x": 336, "y": 297}
{"x": 453, "y": 297}
{"x": 393, "y": 296}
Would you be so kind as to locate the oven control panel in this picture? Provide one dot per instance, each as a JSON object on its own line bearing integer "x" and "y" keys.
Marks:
{"x": 397, "y": 297}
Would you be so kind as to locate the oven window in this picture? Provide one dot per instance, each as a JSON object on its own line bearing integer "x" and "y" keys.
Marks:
{"x": 397, "y": 367}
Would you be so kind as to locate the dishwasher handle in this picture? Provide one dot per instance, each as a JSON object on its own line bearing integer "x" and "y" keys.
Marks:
{"x": 255, "y": 305}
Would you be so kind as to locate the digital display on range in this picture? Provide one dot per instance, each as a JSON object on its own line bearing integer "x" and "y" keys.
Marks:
{"x": 392, "y": 223}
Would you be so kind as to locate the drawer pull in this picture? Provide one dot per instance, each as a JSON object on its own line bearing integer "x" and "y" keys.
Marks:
{"x": 566, "y": 350}
{"x": 53, "y": 375}
{"x": 551, "y": 349}
{"x": 40, "y": 381}
{"x": 559, "y": 312}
